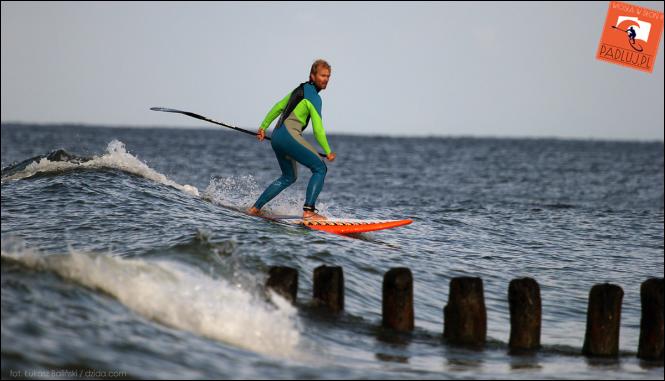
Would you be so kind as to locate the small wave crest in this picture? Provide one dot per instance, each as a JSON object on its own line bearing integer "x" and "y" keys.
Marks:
{"x": 177, "y": 296}
{"x": 116, "y": 157}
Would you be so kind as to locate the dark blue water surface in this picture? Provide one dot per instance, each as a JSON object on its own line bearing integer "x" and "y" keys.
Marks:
{"x": 128, "y": 259}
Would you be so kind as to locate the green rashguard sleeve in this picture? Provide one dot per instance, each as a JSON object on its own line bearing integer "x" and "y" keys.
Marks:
{"x": 317, "y": 126}
{"x": 275, "y": 111}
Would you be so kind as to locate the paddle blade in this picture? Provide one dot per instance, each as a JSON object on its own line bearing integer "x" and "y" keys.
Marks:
{"x": 166, "y": 109}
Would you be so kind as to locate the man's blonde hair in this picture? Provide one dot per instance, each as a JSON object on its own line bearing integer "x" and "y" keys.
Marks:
{"x": 318, "y": 63}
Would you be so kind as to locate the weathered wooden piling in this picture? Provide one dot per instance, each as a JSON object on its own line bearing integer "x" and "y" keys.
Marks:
{"x": 651, "y": 323}
{"x": 525, "y": 314}
{"x": 603, "y": 321}
{"x": 465, "y": 317}
{"x": 329, "y": 287}
{"x": 397, "y": 306}
{"x": 284, "y": 281}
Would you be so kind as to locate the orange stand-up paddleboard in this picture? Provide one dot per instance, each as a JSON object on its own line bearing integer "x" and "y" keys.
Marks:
{"x": 352, "y": 226}
{"x": 333, "y": 225}
{"x": 340, "y": 226}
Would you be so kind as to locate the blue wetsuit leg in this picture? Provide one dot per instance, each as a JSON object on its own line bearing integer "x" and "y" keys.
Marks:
{"x": 288, "y": 152}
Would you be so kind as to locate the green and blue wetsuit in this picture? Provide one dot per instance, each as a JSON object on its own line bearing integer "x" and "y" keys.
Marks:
{"x": 296, "y": 110}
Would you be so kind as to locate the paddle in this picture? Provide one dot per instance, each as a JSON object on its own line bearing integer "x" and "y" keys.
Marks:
{"x": 197, "y": 116}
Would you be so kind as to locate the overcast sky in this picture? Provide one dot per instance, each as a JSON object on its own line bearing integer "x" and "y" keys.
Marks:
{"x": 448, "y": 69}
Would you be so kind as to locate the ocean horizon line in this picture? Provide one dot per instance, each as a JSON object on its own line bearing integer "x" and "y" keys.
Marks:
{"x": 343, "y": 133}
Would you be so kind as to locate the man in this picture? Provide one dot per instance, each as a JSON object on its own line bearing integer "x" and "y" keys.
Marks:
{"x": 631, "y": 34}
{"x": 296, "y": 109}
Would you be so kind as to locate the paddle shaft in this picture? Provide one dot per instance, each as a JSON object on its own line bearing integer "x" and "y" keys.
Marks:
{"x": 616, "y": 27}
{"x": 197, "y": 116}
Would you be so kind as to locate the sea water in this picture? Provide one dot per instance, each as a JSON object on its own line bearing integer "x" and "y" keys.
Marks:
{"x": 131, "y": 260}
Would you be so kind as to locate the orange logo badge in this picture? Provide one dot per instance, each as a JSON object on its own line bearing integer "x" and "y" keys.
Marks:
{"x": 631, "y": 36}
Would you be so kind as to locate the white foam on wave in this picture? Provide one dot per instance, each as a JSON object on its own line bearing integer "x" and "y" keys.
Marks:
{"x": 116, "y": 157}
{"x": 237, "y": 192}
{"x": 178, "y": 296}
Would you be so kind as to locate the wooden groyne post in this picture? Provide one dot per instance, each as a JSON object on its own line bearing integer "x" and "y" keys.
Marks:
{"x": 284, "y": 281}
{"x": 651, "y": 323}
{"x": 397, "y": 304}
{"x": 465, "y": 316}
{"x": 329, "y": 287}
{"x": 603, "y": 321}
{"x": 525, "y": 315}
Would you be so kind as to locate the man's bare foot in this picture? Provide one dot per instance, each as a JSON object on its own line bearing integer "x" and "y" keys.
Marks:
{"x": 254, "y": 211}
{"x": 307, "y": 215}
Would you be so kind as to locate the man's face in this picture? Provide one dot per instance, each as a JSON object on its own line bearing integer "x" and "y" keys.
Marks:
{"x": 321, "y": 78}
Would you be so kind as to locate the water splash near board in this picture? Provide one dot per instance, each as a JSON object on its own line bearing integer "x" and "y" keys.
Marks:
{"x": 238, "y": 194}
